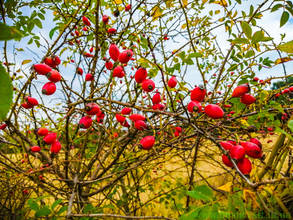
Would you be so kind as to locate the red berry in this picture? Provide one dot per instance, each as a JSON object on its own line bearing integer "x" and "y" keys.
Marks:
{"x": 31, "y": 101}
{"x": 128, "y": 7}
{"x": 85, "y": 29}
{"x": 50, "y": 138}
{"x": 244, "y": 166}
{"x": 89, "y": 77}
{"x": 42, "y": 131}
{"x": 79, "y": 71}
{"x": 214, "y": 111}
{"x": 42, "y": 68}
{"x": 241, "y": 90}
{"x": 56, "y": 60}
{"x": 136, "y": 117}
{"x": 172, "y": 82}
{"x": 156, "y": 98}
{"x": 256, "y": 141}
{"x": 114, "y": 52}
{"x": 85, "y": 122}
{"x": 148, "y": 85}
{"x": 26, "y": 105}
{"x": 176, "y": 133}
{"x": 105, "y": 19}
{"x": 88, "y": 55}
{"x": 92, "y": 49}
{"x": 179, "y": 129}
{"x": 49, "y": 88}
{"x": 125, "y": 124}
{"x": 140, "y": 75}
{"x": 86, "y": 21}
{"x": 112, "y": 30}
{"x": 198, "y": 94}
{"x": 3, "y": 126}
{"x": 109, "y": 65}
{"x": 194, "y": 106}
{"x": 252, "y": 149}
{"x": 50, "y": 62}
{"x": 55, "y": 147}
{"x": 237, "y": 152}
{"x": 232, "y": 142}
{"x": 120, "y": 118}
{"x": 285, "y": 91}
{"x": 92, "y": 108}
{"x": 255, "y": 79}
{"x": 291, "y": 89}
{"x": 126, "y": 111}
{"x": 118, "y": 72}
{"x": 227, "y": 106}
{"x": 140, "y": 125}
{"x": 147, "y": 142}
{"x": 247, "y": 99}
{"x": 54, "y": 76}
{"x": 226, "y": 161}
{"x": 226, "y": 145}
{"x": 125, "y": 56}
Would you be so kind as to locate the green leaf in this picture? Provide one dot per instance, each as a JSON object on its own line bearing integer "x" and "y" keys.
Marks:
{"x": 41, "y": 16}
{"x": 246, "y": 29}
{"x": 38, "y": 23}
{"x": 240, "y": 41}
{"x": 286, "y": 47}
{"x": 190, "y": 215}
{"x": 34, "y": 206}
{"x": 6, "y": 91}
{"x": 43, "y": 212}
{"x": 8, "y": 33}
{"x": 290, "y": 125}
{"x": 182, "y": 55}
{"x": 276, "y": 7}
{"x": 42, "y": 197}
{"x": 62, "y": 209}
{"x": 189, "y": 61}
{"x": 249, "y": 54}
{"x": 257, "y": 37}
{"x": 201, "y": 192}
{"x": 232, "y": 67}
{"x": 51, "y": 33}
{"x": 89, "y": 207}
{"x": 57, "y": 202}
{"x": 192, "y": 55}
{"x": 284, "y": 18}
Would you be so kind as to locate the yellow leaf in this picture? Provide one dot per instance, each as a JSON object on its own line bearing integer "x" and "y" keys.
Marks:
{"x": 221, "y": 2}
{"x": 226, "y": 187}
{"x": 247, "y": 195}
{"x": 169, "y": 3}
{"x": 55, "y": 13}
{"x": 221, "y": 19}
{"x": 183, "y": 26}
{"x": 217, "y": 12}
{"x": 157, "y": 12}
{"x": 185, "y": 2}
{"x": 118, "y": 2}
{"x": 205, "y": 1}
{"x": 120, "y": 8}
{"x": 235, "y": 14}
{"x": 26, "y": 61}
{"x": 283, "y": 60}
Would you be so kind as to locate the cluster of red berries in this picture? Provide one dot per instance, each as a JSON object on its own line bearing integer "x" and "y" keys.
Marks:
{"x": 49, "y": 138}
{"x": 243, "y": 92}
{"x": 253, "y": 149}
{"x": 53, "y": 75}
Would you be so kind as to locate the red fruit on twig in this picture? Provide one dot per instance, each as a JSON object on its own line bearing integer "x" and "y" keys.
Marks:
{"x": 172, "y": 82}
{"x": 147, "y": 142}
{"x": 226, "y": 161}
{"x": 198, "y": 93}
{"x": 176, "y": 133}
{"x": 194, "y": 106}
{"x": 120, "y": 118}
{"x": 114, "y": 52}
{"x": 214, "y": 111}
{"x": 86, "y": 21}
{"x": 42, "y": 68}
{"x": 244, "y": 166}
{"x": 126, "y": 111}
{"x": 35, "y": 149}
{"x": 140, "y": 75}
{"x": 55, "y": 147}
{"x": 136, "y": 117}
{"x": 157, "y": 98}
{"x": 79, "y": 71}
{"x": 256, "y": 141}
{"x": 50, "y": 62}
{"x": 54, "y": 76}
{"x": 241, "y": 90}
{"x": 109, "y": 65}
{"x": 26, "y": 105}
{"x": 125, "y": 56}
{"x": 125, "y": 124}
{"x": 56, "y": 60}
{"x": 50, "y": 138}
{"x": 105, "y": 19}
{"x": 3, "y": 126}
{"x": 42, "y": 131}
{"x": 148, "y": 85}
{"x": 112, "y": 30}
{"x": 49, "y": 88}
{"x": 140, "y": 125}
{"x": 31, "y": 101}
{"x": 179, "y": 129}
{"x": 128, "y": 7}
{"x": 118, "y": 72}
{"x": 85, "y": 122}
{"x": 247, "y": 99}
{"x": 252, "y": 149}
{"x": 237, "y": 152}
{"x": 92, "y": 108}
{"x": 89, "y": 77}
{"x": 226, "y": 145}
